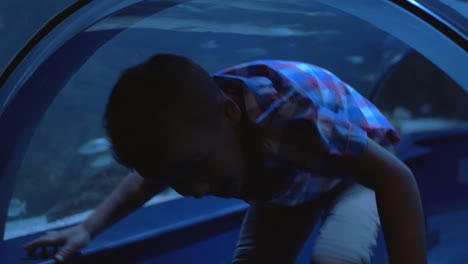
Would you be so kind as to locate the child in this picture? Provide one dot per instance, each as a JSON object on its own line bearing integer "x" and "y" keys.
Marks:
{"x": 289, "y": 138}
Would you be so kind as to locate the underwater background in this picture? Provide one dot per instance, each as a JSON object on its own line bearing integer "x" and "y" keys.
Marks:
{"x": 68, "y": 168}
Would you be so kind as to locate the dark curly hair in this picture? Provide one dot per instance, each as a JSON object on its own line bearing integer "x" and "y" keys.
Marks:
{"x": 151, "y": 100}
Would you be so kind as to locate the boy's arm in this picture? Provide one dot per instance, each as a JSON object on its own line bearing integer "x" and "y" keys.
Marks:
{"x": 398, "y": 203}
{"x": 128, "y": 196}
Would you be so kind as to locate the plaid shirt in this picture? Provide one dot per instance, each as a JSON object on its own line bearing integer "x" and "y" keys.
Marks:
{"x": 303, "y": 108}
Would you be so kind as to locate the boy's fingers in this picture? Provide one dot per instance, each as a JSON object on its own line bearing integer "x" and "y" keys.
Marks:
{"x": 50, "y": 239}
{"x": 40, "y": 243}
{"x": 59, "y": 258}
{"x": 65, "y": 253}
{"x": 70, "y": 242}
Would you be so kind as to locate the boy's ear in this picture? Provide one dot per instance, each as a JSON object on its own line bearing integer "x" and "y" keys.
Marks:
{"x": 232, "y": 111}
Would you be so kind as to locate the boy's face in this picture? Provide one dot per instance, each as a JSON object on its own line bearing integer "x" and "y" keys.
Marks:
{"x": 205, "y": 161}
{"x": 210, "y": 164}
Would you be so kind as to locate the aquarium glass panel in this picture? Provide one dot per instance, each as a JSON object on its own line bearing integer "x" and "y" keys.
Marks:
{"x": 21, "y": 20}
{"x": 418, "y": 97}
{"x": 68, "y": 168}
{"x": 461, "y": 6}
{"x": 453, "y": 11}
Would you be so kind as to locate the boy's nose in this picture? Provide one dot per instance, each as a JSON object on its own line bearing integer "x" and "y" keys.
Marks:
{"x": 200, "y": 189}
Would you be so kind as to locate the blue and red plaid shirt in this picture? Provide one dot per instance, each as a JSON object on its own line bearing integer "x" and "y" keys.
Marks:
{"x": 301, "y": 108}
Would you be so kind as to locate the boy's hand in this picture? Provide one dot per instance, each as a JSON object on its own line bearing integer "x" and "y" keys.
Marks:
{"x": 71, "y": 239}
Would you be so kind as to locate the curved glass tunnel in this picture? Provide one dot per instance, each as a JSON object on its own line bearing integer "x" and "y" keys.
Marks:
{"x": 62, "y": 167}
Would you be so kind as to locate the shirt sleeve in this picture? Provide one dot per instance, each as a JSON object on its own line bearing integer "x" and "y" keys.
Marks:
{"x": 282, "y": 99}
{"x": 297, "y": 119}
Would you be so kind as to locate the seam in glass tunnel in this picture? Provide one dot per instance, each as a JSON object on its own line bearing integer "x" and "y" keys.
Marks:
{"x": 18, "y": 86}
{"x": 55, "y": 22}
{"x": 435, "y": 20}
{"x": 420, "y": 35}
{"x": 413, "y": 6}
{"x": 59, "y": 30}
{"x": 51, "y": 25}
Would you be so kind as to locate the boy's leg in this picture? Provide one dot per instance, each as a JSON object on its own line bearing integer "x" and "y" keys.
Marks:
{"x": 275, "y": 234}
{"x": 350, "y": 228}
